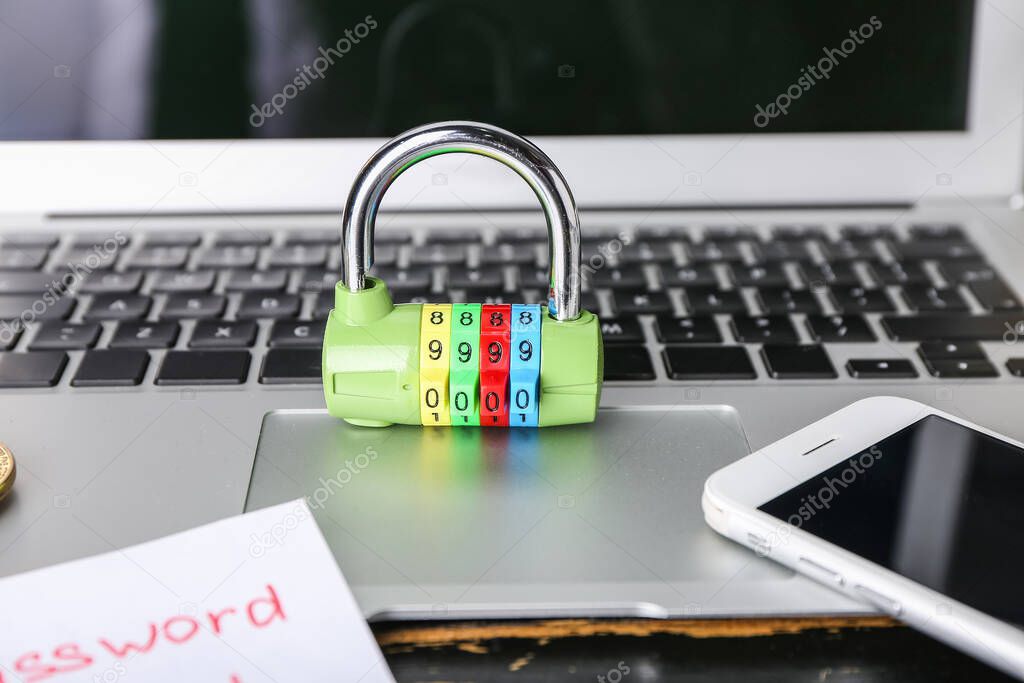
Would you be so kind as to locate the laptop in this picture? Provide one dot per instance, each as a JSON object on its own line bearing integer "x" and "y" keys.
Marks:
{"x": 785, "y": 209}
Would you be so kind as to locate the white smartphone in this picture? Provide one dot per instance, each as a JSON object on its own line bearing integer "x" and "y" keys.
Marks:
{"x": 911, "y": 510}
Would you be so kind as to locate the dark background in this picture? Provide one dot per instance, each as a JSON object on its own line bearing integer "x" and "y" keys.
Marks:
{"x": 535, "y": 66}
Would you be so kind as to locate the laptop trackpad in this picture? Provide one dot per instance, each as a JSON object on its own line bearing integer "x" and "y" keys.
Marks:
{"x": 589, "y": 519}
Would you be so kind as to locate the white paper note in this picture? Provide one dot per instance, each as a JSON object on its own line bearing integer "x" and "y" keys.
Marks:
{"x": 252, "y": 599}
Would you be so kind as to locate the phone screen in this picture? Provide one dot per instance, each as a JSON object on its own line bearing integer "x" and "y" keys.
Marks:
{"x": 937, "y": 502}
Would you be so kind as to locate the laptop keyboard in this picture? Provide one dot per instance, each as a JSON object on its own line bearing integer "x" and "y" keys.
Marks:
{"x": 720, "y": 303}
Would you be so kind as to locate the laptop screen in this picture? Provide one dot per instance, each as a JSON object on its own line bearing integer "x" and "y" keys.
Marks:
{"x": 194, "y": 69}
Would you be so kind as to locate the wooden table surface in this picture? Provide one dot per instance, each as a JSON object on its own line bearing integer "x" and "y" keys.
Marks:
{"x": 635, "y": 651}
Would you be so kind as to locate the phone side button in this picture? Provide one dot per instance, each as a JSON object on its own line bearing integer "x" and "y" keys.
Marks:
{"x": 820, "y": 572}
{"x": 887, "y": 605}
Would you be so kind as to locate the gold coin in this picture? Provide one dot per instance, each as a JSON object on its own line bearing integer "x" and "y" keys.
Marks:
{"x": 7, "y": 471}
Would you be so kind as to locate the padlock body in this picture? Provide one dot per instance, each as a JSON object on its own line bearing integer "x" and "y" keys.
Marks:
{"x": 571, "y": 370}
{"x": 371, "y": 358}
{"x": 418, "y": 364}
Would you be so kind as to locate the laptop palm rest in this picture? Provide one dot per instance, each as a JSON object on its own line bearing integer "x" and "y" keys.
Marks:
{"x": 585, "y": 520}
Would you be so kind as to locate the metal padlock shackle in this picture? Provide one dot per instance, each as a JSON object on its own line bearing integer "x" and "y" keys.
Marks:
{"x": 522, "y": 156}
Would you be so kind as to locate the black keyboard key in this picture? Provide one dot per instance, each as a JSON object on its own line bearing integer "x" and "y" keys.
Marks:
{"x": 646, "y": 252}
{"x": 708, "y": 362}
{"x": 521, "y": 235}
{"x": 662, "y": 233}
{"x": 862, "y": 300}
{"x": 839, "y": 328}
{"x": 109, "y": 368}
{"x": 840, "y": 274}
{"x": 622, "y": 331}
{"x": 994, "y": 295}
{"x": 173, "y": 238}
{"x": 961, "y": 368}
{"x": 291, "y": 366}
{"x": 461, "y": 277}
{"x": 849, "y": 250}
{"x": 108, "y": 282}
{"x": 627, "y": 363}
{"x": 118, "y": 307}
{"x": 781, "y": 300}
{"x": 935, "y": 249}
{"x": 766, "y": 275}
{"x": 1015, "y": 366}
{"x": 636, "y": 302}
{"x": 312, "y": 236}
{"x": 33, "y": 369}
{"x": 438, "y": 255}
{"x": 307, "y": 256}
{"x": 926, "y": 299}
{"x": 17, "y": 282}
{"x": 901, "y": 273}
{"x": 689, "y": 276}
{"x": 28, "y": 309}
{"x": 179, "y": 281}
{"x": 256, "y": 305}
{"x": 710, "y": 300}
{"x": 203, "y": 367}
{"x": 600, "y": 235}
{"x": 418, "y": 278}
{"x": 243, "y": 237}
{"x": 88, "y": 240}
{"x": 866, "y": 231}
{"x": 157, "y": 257}
{"x": 136, "y": 335}
{"x": 785, "y": 361}
{"x": 796, "y": 233}
{"x": 781, "y": 250}
{"x": 179, "y": 306}
{"x": 534, "y": 277}
{"x": 29, "y": 238}
{"x": 713, "y": 252}
{"x": 454, "y": 236}
{"x": 220, "y": 334}
{"x": 317, "y": 279}
{"x": 625, "y": 277}
{"x": 228, "y": 257}
{"x": 967, "y": 271}
{"x": 881, "y": 368}
{"x": 729, "y": 233}
{"x": 94, "y": 259}
{"x": 932, "y": 231}
{"x": 287, "y": 333}
{"x": 54, "y": 336}
{"x": 509, "y": 254}
{"x": 695, "y": 330}
{"x": 954, "y": 327}
{"x": 767, "y": 328}
{"x": 385, "y": 235}
{"x": 950, "y": 350}
{"x": 256, "y": 280}
{"x": 22, "y": 258}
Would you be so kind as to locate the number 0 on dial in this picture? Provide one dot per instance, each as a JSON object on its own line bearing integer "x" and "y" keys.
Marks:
{"x": 435, "y": 338}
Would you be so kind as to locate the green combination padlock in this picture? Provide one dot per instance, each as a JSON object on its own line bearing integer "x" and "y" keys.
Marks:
{"x": 461, "y": 364}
